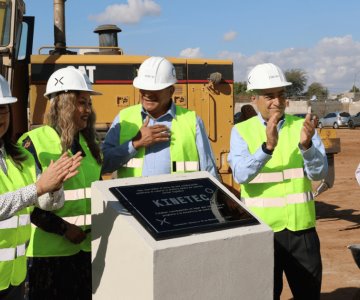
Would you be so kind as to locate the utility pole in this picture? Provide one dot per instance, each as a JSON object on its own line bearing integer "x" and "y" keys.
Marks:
{"x": 354, "y": 88}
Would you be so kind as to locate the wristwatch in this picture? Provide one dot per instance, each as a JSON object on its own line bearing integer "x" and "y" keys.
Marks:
{"x": 266, "y": 150}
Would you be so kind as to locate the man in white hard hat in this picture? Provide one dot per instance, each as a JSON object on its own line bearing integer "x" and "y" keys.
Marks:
{"x": 274, "y": 156}
{"x": 156, "y": 137}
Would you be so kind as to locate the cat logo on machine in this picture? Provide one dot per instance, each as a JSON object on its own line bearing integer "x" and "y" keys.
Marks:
{"x": 89, "y": 71}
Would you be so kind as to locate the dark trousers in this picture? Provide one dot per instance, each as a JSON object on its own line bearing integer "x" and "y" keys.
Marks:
{"x": 61, "y": 278}
{"x": 298, "y": 255}
{"x": 13, "y": 292}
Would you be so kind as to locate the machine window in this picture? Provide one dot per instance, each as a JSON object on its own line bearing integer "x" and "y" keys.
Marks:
{"x": 23, "y": 42}
{"x": 5, "y": 22}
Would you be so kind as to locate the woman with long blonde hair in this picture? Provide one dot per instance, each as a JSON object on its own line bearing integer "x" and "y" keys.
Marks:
{"x": 61, "y": 242}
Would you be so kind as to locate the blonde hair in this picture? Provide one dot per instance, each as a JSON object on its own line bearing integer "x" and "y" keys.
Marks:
{"x": 61, "y": 118}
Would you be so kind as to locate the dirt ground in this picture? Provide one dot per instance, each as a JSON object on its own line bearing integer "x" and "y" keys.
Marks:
{"x": 338, "y": 224}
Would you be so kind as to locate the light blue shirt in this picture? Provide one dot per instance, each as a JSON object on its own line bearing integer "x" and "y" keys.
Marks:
{"x": 157, "y": 156}
{"x": 245, "y": 166}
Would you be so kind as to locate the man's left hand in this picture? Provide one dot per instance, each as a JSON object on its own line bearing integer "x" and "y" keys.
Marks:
{"x": 307, "y": 132}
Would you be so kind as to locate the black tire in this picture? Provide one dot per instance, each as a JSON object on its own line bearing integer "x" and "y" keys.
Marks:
{"x": 320, "y": 125}
{"x": 351, "y": 125}
{"x": 336, "y": 126}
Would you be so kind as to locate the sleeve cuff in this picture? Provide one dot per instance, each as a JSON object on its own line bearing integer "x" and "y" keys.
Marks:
{"x": 32, "y": 192}
{"x": 267, "y": 151}
{"x": 51, "y": 201}
{"x": 131, "y": 148}
{"x": 307, "y": 153}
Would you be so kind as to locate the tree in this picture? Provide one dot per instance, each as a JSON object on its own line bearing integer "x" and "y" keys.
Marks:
{"x": 354, "y": 89}
{"x": 318, "y": 90}
{"x": 240, "y": 87}
{"x": 298, "y": 79}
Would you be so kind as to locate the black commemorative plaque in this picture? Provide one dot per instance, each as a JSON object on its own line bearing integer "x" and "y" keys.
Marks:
{"x": 178, "y": 208}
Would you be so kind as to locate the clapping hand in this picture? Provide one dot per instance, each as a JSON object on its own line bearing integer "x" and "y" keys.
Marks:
{"x": 58, "y": 172}
{"x": 272, "y": 134}
{"x": 307, "y": 132}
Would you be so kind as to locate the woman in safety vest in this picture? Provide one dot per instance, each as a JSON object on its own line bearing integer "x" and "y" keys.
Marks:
{"x": 61, "y": 242}
{"x": 19, "y": 190}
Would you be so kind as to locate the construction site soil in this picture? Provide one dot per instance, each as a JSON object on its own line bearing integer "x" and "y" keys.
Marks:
{"x": 338, "y": 224}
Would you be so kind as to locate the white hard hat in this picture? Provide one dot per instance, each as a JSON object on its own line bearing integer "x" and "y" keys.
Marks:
{"x": 68, "y": 79}
{"x": 5, "y": 94}
{"x": 155, "y": 73}
{"x": 266, "y": 76}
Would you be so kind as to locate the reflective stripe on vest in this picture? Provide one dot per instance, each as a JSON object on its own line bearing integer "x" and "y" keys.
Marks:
{"x": 71, "y": 195}
{"x": 183, "y": 153}
{"x": 135, "y": 163}
{"x": 24, "y": 220}
{"x": 79, "y": 220}
{"x": 186, "y": 166}
{"x": 15, "y": 221}
{"x": 278, "y": 176}
{"x": 178, "y": 166}
{"x": 83, "y": 220}
{"x": 15, "y": 231}
{"x": 7, "y": 254}
{"x": 278, "y": 202}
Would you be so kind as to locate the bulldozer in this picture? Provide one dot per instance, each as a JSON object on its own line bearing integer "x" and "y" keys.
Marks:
{"x": 204, "y": 85}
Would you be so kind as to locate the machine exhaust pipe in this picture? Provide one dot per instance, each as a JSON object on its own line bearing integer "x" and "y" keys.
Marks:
{"x": 108, "y": 38}
{"x": 59, "y": 27}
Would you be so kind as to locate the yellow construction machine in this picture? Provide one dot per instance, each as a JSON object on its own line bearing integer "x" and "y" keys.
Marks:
{"x": 204, "y": 85}
{"x": 332, "y": 147}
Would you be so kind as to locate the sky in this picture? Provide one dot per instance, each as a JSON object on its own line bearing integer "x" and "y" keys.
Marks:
{"x": 320, "y": 37}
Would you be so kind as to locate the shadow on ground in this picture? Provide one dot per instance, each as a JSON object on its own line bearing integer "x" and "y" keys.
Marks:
{"x": 349, "y": 293}
{"x": 332, "y": 212}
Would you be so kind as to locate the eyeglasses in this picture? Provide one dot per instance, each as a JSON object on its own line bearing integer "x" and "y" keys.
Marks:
{"x": 156, "y": 92}
{"x": 4, "y": 109}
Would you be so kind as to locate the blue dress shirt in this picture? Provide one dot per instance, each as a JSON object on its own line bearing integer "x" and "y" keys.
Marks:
{"x": 245, "y": 166}
{"x": 157, "y": 156}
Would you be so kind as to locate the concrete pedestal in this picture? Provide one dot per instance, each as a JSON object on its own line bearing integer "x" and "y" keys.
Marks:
{"x": 127, "y": 263}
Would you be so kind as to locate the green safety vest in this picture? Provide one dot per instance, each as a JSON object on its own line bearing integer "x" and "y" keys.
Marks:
{"x": 77, "y": 206}
{"x": 183, "y": 150}
{"x": 15, "y": 231}
{"x": 280, "y": 195}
